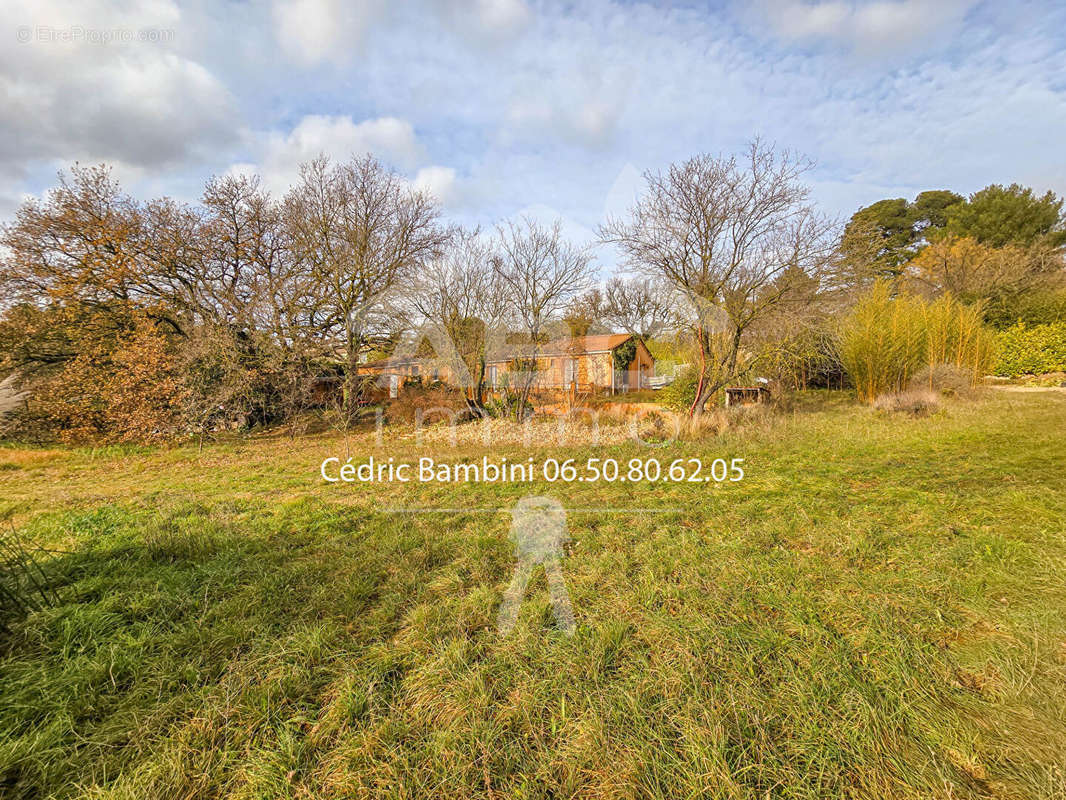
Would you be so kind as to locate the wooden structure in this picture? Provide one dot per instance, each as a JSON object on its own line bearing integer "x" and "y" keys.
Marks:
{"x": 746, "y": 395}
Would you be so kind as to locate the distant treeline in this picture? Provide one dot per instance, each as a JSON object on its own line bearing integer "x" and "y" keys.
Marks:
{"x": 149, "y": 320}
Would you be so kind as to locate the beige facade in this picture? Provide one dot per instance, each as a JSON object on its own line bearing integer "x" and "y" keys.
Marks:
{"x": 585, "y": 362}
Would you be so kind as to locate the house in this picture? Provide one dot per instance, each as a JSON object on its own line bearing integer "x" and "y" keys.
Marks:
{"x": 582, "y": 362}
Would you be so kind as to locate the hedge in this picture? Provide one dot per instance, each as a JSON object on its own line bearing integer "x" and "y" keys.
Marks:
{"x": 1031, "y": 350}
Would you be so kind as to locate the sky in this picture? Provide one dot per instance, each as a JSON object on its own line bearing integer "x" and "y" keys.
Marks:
{"x": 549, "y": 109}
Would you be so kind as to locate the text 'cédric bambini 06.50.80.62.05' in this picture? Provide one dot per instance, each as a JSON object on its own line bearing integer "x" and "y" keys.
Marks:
{"x": 548, "y": 470}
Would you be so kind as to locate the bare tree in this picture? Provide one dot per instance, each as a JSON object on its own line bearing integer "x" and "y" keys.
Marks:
{"x": 264, "y": 291}
{"x": 540, "y": 273}
{"x": 720, "y": 231}
{"x": 363, "y": 232}
{"x": 641, "y": 306}
{"x": 585, "y": 313}
{"x": 461, "y": 297}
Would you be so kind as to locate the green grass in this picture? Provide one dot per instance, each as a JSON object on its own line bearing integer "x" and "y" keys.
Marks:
{"x": 877, "y": 610}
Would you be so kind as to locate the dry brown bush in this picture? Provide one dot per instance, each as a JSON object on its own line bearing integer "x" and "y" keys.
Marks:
{"x": 947, "y": 379}
{"x": 713, "y": 422}
{"x": 415, "y": 402}
{"x": 915, "y": 402}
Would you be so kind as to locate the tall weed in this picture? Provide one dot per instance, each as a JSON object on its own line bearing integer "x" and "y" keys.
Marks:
{"x": 25, "y": 585}
{"x": 886, "y": 341}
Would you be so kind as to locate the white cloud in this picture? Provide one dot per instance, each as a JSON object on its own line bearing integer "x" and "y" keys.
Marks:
{"x": 314, "y": 31}
{"x": 87, "y": 87}
{"x": 881, "y": 25}
{"x": 624, "y": 192}
{"x": 277, "y": 155}
{"x": 437, "y": 181}
{"x": 495, "y": 17}
{"x": 341, "y": 137}
{"x": 503, "y": 16}
{"x": 486, "y": 20}
{"x": 583, "y": 108}
{"x": 92, "y": 14}
{"x": 542, "y": 103}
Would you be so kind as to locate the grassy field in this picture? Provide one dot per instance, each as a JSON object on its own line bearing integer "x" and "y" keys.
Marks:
{"x": 877, "y": 610}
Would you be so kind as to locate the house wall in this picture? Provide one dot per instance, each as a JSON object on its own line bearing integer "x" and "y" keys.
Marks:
{"x": 593, "y": 369}
{"x": 425, "y": 371}
{"x": 596, "y": 369}
{"x": 643, "y": 359}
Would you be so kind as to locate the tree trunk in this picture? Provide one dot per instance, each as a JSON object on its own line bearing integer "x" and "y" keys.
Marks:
{"x": 727, "y": 367}
{"x": 529, "y": 375}
{"x": 479, "y": 384}
{"x": 701, "y": 338}
{"x": 351, "y": 377}
{"x": 705, "y": 391}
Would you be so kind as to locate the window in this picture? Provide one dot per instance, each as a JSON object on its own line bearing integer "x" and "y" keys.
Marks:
{"x": 414, "y": 371}
{"x": 492, "y": 376}
{"x": 571, "y": 370}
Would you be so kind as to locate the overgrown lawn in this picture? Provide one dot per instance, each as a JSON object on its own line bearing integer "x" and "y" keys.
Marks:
{"x": 877, "y": 611}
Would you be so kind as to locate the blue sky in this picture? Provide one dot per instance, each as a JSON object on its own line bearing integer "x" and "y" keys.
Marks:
{"x": 504, "y": 107}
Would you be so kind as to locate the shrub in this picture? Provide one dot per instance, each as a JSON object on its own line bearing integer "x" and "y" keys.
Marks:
{"x": 886, "y": 341}
{"x": 147, "y": 391}
{"x": 1024, "y": 350}
{"x": 802, "y": 359}
{"x": 679, "y": 395}
{"x": 915, "y": 402}
{"x": 944, "y": 378}
{"x": 880, "y": 343}
{"x": 141, "y": 383}
{"x": 713, "y": 422}
{"x": 1036, "y": 307}
{"x": 413, "y": 403}
{"x": 127, "y": 388}
{"x": 624, "y": 354}
{"x": 955, "y": 337}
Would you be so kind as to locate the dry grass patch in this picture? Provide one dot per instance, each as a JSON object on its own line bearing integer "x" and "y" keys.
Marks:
{"x": 12, "y": 458}
{"x": 913, "y": 402}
